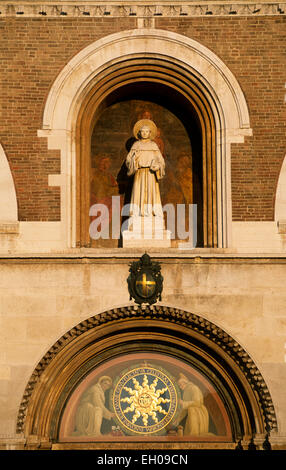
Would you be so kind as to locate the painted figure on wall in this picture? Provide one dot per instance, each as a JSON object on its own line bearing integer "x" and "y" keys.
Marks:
{"x": 92, "y": 409}
{"x": 146, "y": 162}
{"x": 103, "y": 183}
{"x": 114, "y": 402}
{"x": 103, "y": 187}
{"x": 185, "y": 177}
{"x": 192, "y": 408}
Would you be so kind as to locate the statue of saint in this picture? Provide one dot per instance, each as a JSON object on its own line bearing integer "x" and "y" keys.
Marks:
{"x": 192, "y": 407}
{"x": 92, "y": 410}
{"x": 147, "y": 164}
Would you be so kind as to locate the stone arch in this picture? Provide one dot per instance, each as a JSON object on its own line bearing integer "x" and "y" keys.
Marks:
{"x": 8, "y": 207}
{"x": 80, "y": 349}
{"x": 74, "y": 84}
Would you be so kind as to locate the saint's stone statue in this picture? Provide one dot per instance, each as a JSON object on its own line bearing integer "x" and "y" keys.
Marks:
{"x": 146, "y": 162}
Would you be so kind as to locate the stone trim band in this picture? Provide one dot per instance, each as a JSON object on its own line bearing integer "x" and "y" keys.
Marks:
{"x": 140, "y": 9}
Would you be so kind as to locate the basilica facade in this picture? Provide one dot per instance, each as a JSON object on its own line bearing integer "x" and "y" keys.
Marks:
{"x": 121, "y": 338}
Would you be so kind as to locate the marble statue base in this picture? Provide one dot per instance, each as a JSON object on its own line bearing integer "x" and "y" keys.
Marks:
{"x": 146, "y": 232}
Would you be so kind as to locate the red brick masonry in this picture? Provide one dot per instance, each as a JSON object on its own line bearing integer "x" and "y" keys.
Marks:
{"x": 34, "y": 51}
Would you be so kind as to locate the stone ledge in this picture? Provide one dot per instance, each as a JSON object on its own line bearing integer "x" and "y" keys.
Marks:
{"x": 9, "y": 228}
{"x": 140, "y": 9}
{"x": 281, "y": 226}
{"x": 123, "y": 255}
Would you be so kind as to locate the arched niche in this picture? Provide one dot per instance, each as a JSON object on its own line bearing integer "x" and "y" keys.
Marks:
{"x": 166, "y": 59}
{"x": 182, "y": 137}
{"x": 207, "y": 353}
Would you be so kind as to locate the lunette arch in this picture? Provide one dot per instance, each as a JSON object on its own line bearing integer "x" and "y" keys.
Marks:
{"x": 129, "y": 329}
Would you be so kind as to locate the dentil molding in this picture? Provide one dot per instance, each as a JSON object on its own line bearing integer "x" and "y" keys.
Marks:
{"x": 140, "y": 9}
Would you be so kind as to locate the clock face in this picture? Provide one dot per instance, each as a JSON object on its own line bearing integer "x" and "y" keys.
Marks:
{"x": 145, "y": 285}
{"x": 145, "y": 400}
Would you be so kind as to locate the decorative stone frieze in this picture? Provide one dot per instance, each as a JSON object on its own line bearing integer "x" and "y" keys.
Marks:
{"x": 140, "y": 9}
{"x": 9, "y": 228}
{"x": 281, "y": 226}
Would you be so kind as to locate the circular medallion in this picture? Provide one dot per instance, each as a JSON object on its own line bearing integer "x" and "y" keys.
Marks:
{"x": 145, "y": 285}
{"x": 145, "y": 400}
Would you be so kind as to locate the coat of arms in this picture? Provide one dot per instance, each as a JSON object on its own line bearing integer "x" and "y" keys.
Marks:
{"x": 145, "y": 282}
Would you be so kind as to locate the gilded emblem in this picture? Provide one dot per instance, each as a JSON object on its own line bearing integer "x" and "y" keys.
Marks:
{"x": 145, "y": 400}
{"x": 145, "y": 282}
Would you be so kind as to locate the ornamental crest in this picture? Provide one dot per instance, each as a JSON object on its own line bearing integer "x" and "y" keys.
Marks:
{"x": 145, "y": 282}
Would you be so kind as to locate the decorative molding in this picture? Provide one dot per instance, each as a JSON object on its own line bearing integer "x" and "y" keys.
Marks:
{"x": 9, "y": 228}
{"x": 281, "y": 226}
{"x": 141, "y": 9}
{"x": 169, "y": 315}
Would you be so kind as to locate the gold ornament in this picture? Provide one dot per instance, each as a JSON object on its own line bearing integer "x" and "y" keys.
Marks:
{"x": 145, "y": 400}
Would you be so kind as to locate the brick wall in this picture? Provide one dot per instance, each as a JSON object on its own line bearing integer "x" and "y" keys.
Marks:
{"x": 34, "y": 51}
{"x": 254, "y": 50}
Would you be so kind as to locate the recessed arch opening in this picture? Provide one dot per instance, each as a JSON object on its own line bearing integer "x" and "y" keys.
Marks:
{"x": 176, "y": 92}
{"x": 171, "y": 59}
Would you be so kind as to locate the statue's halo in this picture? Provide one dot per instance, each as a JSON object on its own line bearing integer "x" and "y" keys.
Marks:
{"x": 148, "y": 123}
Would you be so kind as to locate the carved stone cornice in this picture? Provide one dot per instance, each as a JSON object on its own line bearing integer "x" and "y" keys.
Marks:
{"x": 161, "y": 313}
{"x": 9, "y": 228}
{"x": 140, "y": 9}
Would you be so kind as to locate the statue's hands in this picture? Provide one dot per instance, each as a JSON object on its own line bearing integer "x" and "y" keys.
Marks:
{"x": 154, "y": 167}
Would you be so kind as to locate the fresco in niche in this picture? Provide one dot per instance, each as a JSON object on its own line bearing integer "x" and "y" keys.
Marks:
{"x": 144, "y": 396}
{"x": 113, "y": 138}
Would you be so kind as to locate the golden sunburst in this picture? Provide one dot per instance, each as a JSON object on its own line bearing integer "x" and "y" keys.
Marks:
{"x": 145, "y": 400}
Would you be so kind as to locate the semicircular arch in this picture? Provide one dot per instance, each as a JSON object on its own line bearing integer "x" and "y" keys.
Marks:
{"x": 130, "y": 329}
{"x": 208, "y": 73}
{"x": 207, "y": 66}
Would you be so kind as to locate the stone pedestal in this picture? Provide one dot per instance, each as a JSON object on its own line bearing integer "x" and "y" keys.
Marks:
{"x": 146, "y": 232}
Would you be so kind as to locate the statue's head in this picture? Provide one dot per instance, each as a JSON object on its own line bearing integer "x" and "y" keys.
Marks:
{"x": 145, "y": 132}
{"x": 145, "y": 129}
